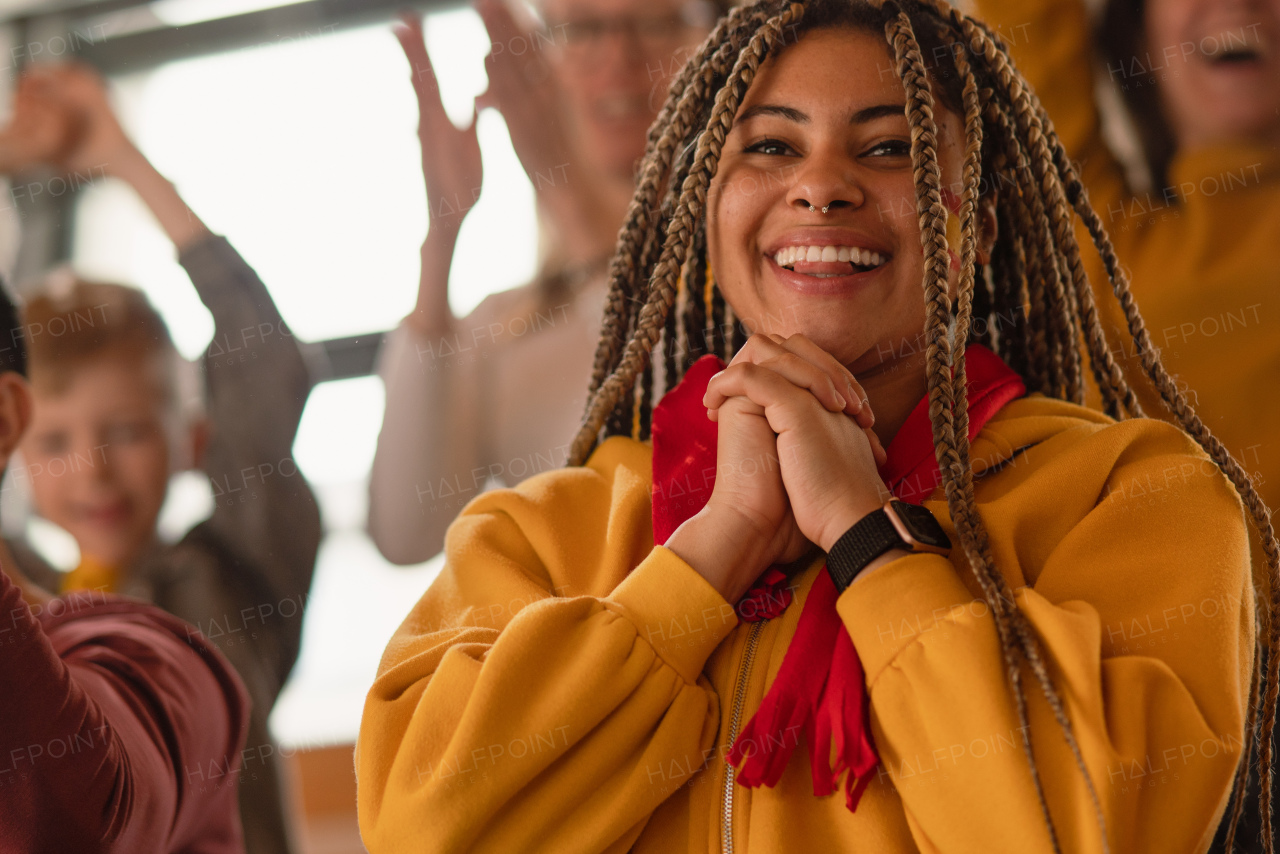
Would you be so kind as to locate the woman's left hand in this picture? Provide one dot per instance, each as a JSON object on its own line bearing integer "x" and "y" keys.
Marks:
{"x": 828, "y": 460}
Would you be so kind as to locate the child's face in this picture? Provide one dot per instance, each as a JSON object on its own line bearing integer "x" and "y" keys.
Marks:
{"x": 99, "y": 456}
{"x": 823, "y": 124}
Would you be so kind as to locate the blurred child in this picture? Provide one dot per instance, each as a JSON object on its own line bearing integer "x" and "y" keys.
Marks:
{"x": 112, "y": 422}
{"x": 109, "y": 706}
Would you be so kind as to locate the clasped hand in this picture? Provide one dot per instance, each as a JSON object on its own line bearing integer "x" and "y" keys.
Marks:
{"x": 797, "y": 462}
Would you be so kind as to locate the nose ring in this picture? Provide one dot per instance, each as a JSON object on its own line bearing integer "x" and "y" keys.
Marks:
{"x": 824, "y": 209}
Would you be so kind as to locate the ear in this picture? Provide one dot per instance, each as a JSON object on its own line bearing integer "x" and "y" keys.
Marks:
{"x": 988, "y": 231}
{"x": 15, "y": 413}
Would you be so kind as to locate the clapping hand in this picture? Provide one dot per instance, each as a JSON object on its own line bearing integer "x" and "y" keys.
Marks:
{"x": 62, "y": 119}
{"x": 451, "y": 165}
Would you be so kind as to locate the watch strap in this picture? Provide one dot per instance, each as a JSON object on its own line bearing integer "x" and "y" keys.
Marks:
{"x": 872, "y": 536}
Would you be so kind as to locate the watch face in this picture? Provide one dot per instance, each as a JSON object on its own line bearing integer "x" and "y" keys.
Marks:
{"x": 921, "y": 524}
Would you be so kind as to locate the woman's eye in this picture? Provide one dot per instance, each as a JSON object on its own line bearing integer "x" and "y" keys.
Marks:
{"x": 890, "y": 148}
{"x": 770, "y": 147}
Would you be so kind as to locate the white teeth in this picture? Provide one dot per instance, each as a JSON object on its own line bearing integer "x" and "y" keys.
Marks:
{"x": 789, "y": 255}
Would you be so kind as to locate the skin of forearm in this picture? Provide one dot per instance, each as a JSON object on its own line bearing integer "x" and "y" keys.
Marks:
{"x": 432, "y": 315}
{"x": 724, "y": 547}
{"x": 179, "y": 222}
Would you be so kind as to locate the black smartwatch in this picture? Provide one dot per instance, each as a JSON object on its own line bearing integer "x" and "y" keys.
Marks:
{"x": 895, "y": 525}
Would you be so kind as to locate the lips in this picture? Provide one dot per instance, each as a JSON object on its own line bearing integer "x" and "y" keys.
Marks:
{"x": 108, "y": 515}
{"x": 1231, "y": 44}
{"x": 825, "y": 260}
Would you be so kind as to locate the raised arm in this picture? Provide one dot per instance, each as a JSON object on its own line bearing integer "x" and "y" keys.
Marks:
{"x": 525, "y": 701}
{"x": 431, "y": 445}
{"x": 256, "y": 378}
{"x": 114, "y": 715}
{"x": 1137, "y": 585}
{"x": 431, "y": 421}
{"x": 1051, "y": 42}
{"x": 63, "y": 119}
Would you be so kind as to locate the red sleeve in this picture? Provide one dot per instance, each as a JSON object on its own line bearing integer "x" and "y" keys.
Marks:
{"x": 120, "y": 730}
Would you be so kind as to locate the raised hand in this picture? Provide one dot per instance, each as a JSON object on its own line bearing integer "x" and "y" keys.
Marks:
{"x": 62, "y": 119}
{"x": 36, "y": 135}
{"x": 451, "y": 165}
{"x": 95, "y": 139}
{"x": 523, "y": 87}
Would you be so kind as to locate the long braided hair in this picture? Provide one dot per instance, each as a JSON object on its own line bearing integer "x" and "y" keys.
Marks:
{"x": 1032, "y": 304}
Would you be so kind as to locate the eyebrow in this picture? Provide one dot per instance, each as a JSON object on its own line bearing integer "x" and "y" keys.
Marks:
{"x": 864, "y": 115}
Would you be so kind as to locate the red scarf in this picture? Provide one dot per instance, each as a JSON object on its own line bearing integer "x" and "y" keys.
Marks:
{"x": 819, "y": 686}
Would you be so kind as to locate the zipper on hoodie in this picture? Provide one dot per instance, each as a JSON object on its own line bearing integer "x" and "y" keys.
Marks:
{"x": 730, "y": 773}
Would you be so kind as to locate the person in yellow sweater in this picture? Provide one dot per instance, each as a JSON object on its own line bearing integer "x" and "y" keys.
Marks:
{"x": 1201, "y": 79}
{"x": 760, "y": 616}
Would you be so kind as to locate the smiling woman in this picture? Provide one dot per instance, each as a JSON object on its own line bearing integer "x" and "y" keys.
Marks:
{"x": 886, "y": 530}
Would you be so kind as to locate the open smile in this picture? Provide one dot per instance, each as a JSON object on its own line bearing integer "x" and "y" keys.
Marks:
{"x": 827, "y": 261}
{"x": 827, "y": 277}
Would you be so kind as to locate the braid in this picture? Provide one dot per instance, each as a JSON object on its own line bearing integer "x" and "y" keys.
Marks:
{"x": 644, "y": 408}
{"x": 1064, "y": 179}
{"x": 687, "y": 91}
{"x": 670, "y": 344}
{"x": 1032, "y": 303}
{"x": 693, "y": 194}
{"x": 945, "y": 405}
{"x": 1011, "y": 300}
{"x": 972, "y": 180}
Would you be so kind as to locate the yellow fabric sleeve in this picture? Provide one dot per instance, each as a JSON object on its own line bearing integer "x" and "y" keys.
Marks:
{"x": 525, "y": 696}
{"x": 1130, "y": 562}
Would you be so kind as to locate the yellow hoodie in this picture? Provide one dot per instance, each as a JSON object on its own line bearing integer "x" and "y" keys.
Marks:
{"x": 565, "y": 686}
{"x": 1200, "y": 251}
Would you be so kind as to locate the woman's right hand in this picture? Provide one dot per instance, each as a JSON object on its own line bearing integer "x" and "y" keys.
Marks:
{"x": 747, "y": 525}
{"x": 451, "y": 163}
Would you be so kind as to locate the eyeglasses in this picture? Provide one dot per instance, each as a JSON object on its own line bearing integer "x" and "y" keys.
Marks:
{"x": 585, "y": 34}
